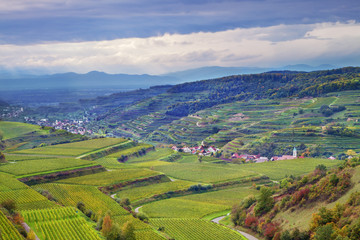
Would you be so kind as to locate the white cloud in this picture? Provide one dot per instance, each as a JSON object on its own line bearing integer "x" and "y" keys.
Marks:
{"x": 267, "y": 46}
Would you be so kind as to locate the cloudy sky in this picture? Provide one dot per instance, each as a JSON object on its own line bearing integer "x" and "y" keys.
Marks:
{"x": 159, "y": 36}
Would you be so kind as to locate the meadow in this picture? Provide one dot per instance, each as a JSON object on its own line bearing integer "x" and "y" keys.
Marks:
{"x": 204, "y": 172}
{"x": 279, "y": 169}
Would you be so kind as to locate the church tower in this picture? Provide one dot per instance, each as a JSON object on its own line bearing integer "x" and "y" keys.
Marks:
{"x": 294, "y": 152}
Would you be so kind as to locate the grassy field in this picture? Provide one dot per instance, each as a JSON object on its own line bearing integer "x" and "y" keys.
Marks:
{"x": 110, "y": 177}
{"x": 279, "y": 169}
{"x": 20, "y": 168}
{"x": 184, "y": 229}
{"x": 59, "y": 223}
{"x": 138, "y": 193}
{"x": 204, "y": 172}
{"x": 15, "y": 129}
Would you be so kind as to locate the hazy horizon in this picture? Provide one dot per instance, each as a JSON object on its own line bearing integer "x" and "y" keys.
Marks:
{"x": 157, "y": 37}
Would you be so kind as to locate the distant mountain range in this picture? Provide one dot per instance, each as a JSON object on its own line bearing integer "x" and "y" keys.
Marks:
{"x": 217, "y": 72}
{"x": 23, "y": 80}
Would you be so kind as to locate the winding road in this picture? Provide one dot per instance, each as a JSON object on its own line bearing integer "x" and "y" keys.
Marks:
{"x": 137, "y": 209}
{"x": 28, "y": 229}
{"x": 248, "y": 236}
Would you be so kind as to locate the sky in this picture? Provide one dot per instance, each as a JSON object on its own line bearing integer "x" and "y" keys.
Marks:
{"x": 160, "y": 36}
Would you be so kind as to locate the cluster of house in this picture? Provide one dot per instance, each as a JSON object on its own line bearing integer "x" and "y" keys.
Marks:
{"x": 201, "y": 150}
{"x": 11, "y": 112}
{"x": 259, "y": 159}
{"x": 73, "y": 126}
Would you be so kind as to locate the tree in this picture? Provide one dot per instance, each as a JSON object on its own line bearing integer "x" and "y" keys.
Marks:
{"x": 128, "y": 231}
{"x": 2, "y": 158}
{"x": 31, "y": 235}
{"x": 351, "y": 153}
{"x": 265, "y": 202}
{"x": 324, "y": 232}
{"x": 81, "y": 206}
{"x": 286, "y": 235}
{"x": 125, "y": 202}
{"x": 142, "y": 216}
{"x": 106, "y": 225}
{"x": 115, "y": 233}
{"x": 9, "y": 205}
{"x": 321, "y": 167}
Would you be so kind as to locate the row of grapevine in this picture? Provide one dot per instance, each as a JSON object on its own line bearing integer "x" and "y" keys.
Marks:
{"x": 70, "y": 195}
{"x": 74, "y": 149}
{"x": 27, "y": 199}
{"x": 49, "y": 214}
{"x": 196, "y": 229}
{"x": 9, "y": 182}
{"x": 59, "y": 223}
{"x": 7, "y": 230}
{"x": 148, "y": 235}
{"x": 110, "y": 177}
{"x": 69, "y": 229}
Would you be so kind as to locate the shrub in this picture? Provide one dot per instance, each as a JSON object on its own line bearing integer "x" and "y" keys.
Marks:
{"x": 9, "y": 205}
{"x": 265, "y": 202}
{"x": 81, "y": 206}
{"x": 2, "y": 158}
{"x": 251, "y": 222}
{"x": 143, "y": 217}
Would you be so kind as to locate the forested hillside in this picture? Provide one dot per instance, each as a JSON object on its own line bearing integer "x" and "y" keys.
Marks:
{"x": 238, "y": 113}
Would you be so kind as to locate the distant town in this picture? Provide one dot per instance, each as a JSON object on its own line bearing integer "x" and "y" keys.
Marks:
{"x": 204, "y": 150}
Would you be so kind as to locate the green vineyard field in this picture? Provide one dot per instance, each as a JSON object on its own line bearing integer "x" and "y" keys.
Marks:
{"x": 110, "y": 177}
{"x": 7, "y": 230}
{"x": 195, "y": 229}
{"x": 43, "y": 165}
{"x": 70, "y": 195}
{"x": 60, "y": 223}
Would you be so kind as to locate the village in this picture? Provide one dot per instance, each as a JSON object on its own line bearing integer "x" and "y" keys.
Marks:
{"x": 204, "y": 150}
{"x": 72, "y": 126}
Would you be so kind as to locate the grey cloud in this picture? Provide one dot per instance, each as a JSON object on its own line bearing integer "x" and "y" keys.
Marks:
{"x": 93, "y": 20}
